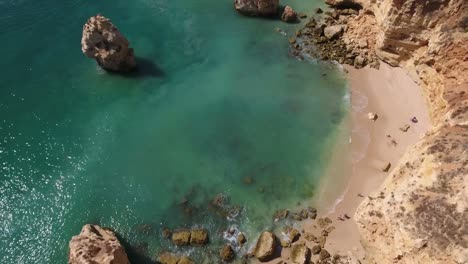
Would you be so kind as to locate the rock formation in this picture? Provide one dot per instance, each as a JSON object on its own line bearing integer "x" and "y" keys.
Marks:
{"x": 266, "y": 245}
{"x": 96, "y": 245}
{"x": 419, "y": 213}
{"x": 300, "y": 254}
{"x": 103, "y": 42}
{"x": 289, "y": 15}
{"x": 257, "y": 7}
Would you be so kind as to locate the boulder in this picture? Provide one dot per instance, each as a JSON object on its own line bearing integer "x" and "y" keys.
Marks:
{"x": 241, "y": 239}
{"x": 372, "y": 116}
{"x": 333, "y": 32}
{"x": 168, "y": 258}
{"x": 300, "y": 254}
{"x": 266, "y": 245}
{"x": 96, "y": 245}
{"x": 198, "y": 236}
{"x": 227, "y": 253}
{"x": 289, "y": 15}
{"x": 181, "y": 237}
{"x": 291, "y": 233}
{"x": 257, "y": 7}
{"x": 185, "y": 260}
{"x": 103, "y": 42}
{"x": 316, "y": 249}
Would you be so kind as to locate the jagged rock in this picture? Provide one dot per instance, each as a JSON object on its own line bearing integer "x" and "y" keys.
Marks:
{"x": 181, "y": 237}
{"x": 168, "y": 258}
{"x": 227, "y": 253}
{"x": 312, "y": 213}
{"x": 103, "y": 42}
{"x": 316, "y": 249}
{"x": 291, "y": 233}
{"x": 281, "y": 214}
{"x": 289, "y": 15}
{"x": 198, "y": 236}
{"x": 266, "y": 245}
{"x": 241, "y": 239}
{"x": 300, "y": 254}
{"x": 318, "y": 10}
{"x": 96, "y": 245}
{"x": 386, "y": 167}
{"x": 257, "y": 7}
{"x": 185, "y": 260}
{"x": 359, "y": 62}
{"x": 309, "y": 237}
{"x": 324, "y": 254}
{"x": 333, "y": 32}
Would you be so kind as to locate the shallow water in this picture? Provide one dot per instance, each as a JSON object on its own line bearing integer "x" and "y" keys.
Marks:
{"x": 219, "y": 101}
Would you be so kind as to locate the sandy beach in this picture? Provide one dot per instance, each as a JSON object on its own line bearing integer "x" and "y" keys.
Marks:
{"x": 356, "y": 171}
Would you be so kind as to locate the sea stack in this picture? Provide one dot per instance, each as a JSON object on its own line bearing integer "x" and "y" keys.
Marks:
{"x": 103, "y": 42}
{"x": 96, "y": 245}
{"x": 257, "y": 7}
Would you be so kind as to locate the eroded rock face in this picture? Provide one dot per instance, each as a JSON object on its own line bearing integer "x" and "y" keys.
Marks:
{"x": 420, "y": 213}
{"x": 266, "y": 245}
{"x": 96, "y": 245}
{"x": 289, "y": 15}
{"x": 103, "y": 42}
{"x": 300, "y": 254}
{"x": 257, "y": 7}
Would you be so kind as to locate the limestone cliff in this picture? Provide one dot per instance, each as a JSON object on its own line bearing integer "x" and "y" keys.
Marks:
{"x": 420, "y": 213}
{"x": 96, "y": 245}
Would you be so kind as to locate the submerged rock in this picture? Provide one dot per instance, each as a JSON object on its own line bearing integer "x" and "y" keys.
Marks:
{"x": 265, "y": 248}
{"x": 103, "y": 42}
{"x": 289, "y": 15}
{"x": 96, "y": 245}
{"x": 257, "y": 7}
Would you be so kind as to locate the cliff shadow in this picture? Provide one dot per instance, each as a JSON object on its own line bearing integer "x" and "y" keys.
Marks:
{"x": 137, "y": 254}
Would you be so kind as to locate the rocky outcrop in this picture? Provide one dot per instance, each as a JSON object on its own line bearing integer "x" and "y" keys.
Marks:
{"x": 419, "y": 213}
{"x": 266, "y": 245}
{"x": 257, "y": 7}
{"x": 227, "y": 253}
{"x": 96, "y": 245}
{"x": 289, "y": 15}
{"x": 300, "y": 254}
{"x": 103, "y": 42}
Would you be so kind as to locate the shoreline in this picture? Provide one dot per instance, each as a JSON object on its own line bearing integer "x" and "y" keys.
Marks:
{"x": 355, "y": 169}
{"x": 390, "y": 93}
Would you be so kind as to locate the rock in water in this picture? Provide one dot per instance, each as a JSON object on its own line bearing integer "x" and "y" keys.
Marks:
{"x": 289, "y": 15}
{"x": 265, "y": 248}
{"x": 96, "y": 245}
{"x": 181, "y": 237}
{"x": 227, "y": 253}
{"x": 103, "y": 42}
{"x": 257, "y": 7}
{"x": 300, "y": 254}
{"x": 199, "y": 236}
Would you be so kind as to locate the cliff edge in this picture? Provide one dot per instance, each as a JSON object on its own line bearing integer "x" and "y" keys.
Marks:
{"x": 419, "y": 214}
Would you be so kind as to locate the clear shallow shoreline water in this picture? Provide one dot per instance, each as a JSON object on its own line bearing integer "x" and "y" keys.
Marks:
{"x": 219, "y": 100}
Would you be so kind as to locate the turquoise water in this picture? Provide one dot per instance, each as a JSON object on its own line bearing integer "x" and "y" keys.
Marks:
{"x": 218, "y": 100}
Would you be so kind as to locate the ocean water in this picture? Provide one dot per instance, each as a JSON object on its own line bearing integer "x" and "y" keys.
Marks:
{"x": 218, "y": 102}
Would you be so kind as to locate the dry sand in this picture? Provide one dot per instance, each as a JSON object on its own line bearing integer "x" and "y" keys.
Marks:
{"x": 356, "y": 168}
